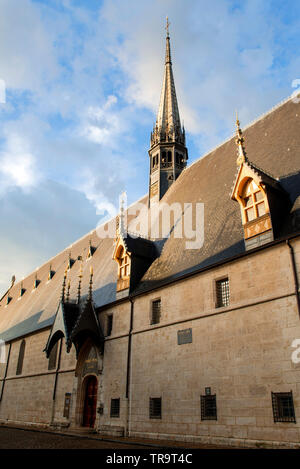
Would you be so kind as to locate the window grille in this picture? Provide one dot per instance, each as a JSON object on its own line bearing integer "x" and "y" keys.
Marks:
{"x": 222, "y": 291}
{"x": 115, "y": 408}
{"x": 283, "y": 407}
{"x": 208, "y": 407}
{"x": 155, "y": 312}
{"x": 155, "y": 408}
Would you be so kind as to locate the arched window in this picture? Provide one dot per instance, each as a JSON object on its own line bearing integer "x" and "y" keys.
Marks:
{"x": 169, "y": 157}
{"x": 254, "y": 201}
{"x": 124, "y": 263}
{"x": 21, "y": 358}
{"x": 164, "y": 157}
{"x": 52, "y": 357}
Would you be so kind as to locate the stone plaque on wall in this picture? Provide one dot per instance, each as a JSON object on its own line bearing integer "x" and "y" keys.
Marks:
{"x": 184, "y": 336}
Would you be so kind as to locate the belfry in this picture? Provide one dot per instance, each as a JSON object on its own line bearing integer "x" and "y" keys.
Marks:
{"x": 168, "y": 153}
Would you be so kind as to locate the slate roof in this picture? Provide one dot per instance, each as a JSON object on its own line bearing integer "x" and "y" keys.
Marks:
{"x": 272, "y": 144}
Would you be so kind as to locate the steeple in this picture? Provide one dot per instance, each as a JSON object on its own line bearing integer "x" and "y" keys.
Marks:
{"x": 168, "y": 153}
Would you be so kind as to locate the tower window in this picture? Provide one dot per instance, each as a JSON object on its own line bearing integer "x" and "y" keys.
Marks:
{"x": 115, "y": 408}
{"x": 21, "y": 358}
{"x": 222, "y": 292}
{"x": 169, "y": 157}
{"x": 155, "y": 408}
{"x": 208, "y": 407}
{"x": 254, "y": 203}
{"x": 155, "y": 311}
{"x": 283, "y": 407}
{"x": 164, "y": 157}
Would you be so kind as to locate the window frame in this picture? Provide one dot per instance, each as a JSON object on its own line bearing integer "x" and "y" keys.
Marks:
{"x": 278, "y": 408}
{"x": 217, "y": 282}
{"x": 153, "y": 409}
{"x": 203, "y": 407}
{"x": 113, "y": 413}
{"x": 155, "y": 300}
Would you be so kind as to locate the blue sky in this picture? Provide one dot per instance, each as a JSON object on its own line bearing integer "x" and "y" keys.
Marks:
{"x": 83, "y": 81}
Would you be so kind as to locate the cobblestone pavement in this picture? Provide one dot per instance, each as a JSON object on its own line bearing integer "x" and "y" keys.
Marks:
{"x": 28, "y": 438}
{"x": 11, "y": 438}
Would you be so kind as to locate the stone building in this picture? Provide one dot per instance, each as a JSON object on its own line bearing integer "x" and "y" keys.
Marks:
{"x": 157, "y": 336}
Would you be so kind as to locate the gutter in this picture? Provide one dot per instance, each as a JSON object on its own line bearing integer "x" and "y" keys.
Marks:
{"x": 128, "y": 372}
{"x": 294, "y": 269}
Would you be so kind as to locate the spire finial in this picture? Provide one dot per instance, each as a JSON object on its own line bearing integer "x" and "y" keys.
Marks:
{"x": 240, "y": 143}
{"x": 167, "y": 27}
{"x": 79, "y": 283}
{"x": 64, "y": 286}
{"x": 68, "y": 291}
{"x": 91, "y": 284}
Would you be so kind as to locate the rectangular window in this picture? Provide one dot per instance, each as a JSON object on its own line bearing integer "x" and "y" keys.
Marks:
{"x": 222, "y": 292}
{"x": 115, "y": 408}
{"x": 155, "y": 311}
{"x": 208, "y": 407}
{"x": 155, "y": 408}
{"x": 109, "y": 324}
{"x": 283, "y": 407}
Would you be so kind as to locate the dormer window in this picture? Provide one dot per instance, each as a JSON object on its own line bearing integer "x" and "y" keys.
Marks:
{"x": 22, "y": 290}
{"x": 51, "y": 273}
{"x": 124, "y": 263}
{"x": 8, "y": 300}
{"x": 254, "y": 201}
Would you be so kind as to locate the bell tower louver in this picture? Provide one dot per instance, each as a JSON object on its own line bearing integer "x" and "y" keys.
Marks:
{"x": 168, "y": 153}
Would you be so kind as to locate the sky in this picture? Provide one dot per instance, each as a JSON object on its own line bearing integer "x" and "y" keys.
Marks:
{"x": 80, "y": 83}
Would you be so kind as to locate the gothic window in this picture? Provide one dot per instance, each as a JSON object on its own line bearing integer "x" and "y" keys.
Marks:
{"x": 124, "y": 263}
{"x": 21, "y": 358}
{"x": 164, "y": 157}
{"x": 169, "y": 157}
{"x": 52, "y": 357}
{"x": 177, "y": 158}
{"x": 254, "y": 201}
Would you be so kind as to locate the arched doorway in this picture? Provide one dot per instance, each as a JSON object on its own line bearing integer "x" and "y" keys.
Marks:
{"x": 90, "y": 401}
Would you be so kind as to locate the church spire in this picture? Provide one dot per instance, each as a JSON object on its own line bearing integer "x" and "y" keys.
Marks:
{"x": 168, "y": 127}
{"x": 168, "y": 154}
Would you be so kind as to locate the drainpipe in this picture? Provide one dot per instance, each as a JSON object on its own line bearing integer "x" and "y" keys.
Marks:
{"x": 5, "y": 373}
{"x": 294, "y": 268}
{"x": 55, "y": 381}
{"x": 128, "y": 374}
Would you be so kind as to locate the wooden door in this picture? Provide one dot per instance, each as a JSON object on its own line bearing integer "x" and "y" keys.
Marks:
{"x": 90, "y": 402}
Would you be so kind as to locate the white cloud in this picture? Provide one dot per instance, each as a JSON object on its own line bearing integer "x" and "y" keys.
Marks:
{"x": 17, "y": 165}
